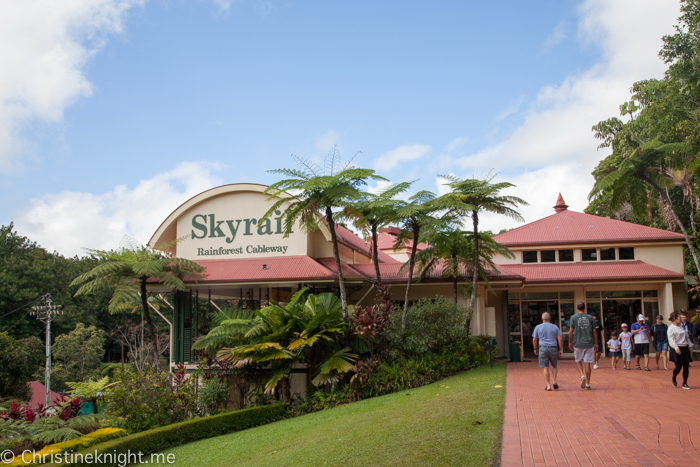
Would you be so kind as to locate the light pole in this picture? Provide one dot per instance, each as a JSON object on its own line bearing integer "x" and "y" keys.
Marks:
{"x": 45, "y": 313}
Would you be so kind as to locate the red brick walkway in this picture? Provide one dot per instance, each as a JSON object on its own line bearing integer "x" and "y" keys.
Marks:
{"x": 630, "y": 418}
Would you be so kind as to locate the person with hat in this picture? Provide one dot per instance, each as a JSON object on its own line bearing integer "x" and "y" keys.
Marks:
{"x": 627, "y": 346}
{"x": 680, "y": 343}
{"x": 641, "y": 334}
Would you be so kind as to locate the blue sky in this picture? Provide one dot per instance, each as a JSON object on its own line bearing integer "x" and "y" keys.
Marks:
{"x": 116, "y": 111}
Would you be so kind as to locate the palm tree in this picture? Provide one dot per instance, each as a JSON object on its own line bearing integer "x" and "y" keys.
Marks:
{"x": 414, "y": 215}
{"x": 372, "y": 212}
{"x": 452, "y": 250}
{"x": 627, "y": 175}
{"x": 284, "y": 336}
{"x": 469, "y": 197}
{"x": 128, "y": 270}
{"x": 320, "y": 193}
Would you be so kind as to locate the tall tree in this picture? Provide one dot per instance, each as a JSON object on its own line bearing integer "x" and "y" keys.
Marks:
{"x": 451, "y": 251}
{"x": 372, "y": 212}
{"x": 470, "y": 197}
{"x": 20, "y": 359}
{"x": 639, "y": 166}
{"x": 322, "y": 193}
{"x": 128, "y": 270}
{"x": 415, "y": 215}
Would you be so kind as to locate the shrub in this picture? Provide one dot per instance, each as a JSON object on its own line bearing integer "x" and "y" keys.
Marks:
{"x": 211, "y": 396}
{"x": 162, "y": 438}
{"x": 432, "y": 326}
{"x": 398, "y": 375}
{"x": 148, "y": 399}
{"x": 84, "y": 442}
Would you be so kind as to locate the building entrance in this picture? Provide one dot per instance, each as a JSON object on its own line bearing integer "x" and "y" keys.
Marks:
{"x": 525, "y": 312}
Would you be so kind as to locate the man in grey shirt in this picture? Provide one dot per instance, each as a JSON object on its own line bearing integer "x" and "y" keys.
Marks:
{"x": 584, "y": 342}
{"x": 548, "y": 345}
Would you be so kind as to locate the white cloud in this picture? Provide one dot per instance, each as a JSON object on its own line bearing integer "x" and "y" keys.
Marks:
{"x": 557, "y": 35}
{"x": 541, "y": 196}
{"x": 407, "y": 152}
{"x": 326, "y": 141}
{"x": 44, "y": 46}
{"x": 69, "y": 221}
{"x": 456, "y": 143}
{"x": 554, "y": 149}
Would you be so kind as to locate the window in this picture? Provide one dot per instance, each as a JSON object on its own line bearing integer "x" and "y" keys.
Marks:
{"x": 566, "y": 255}
{"x": 592, "y": 294}
{"x": 651, "y": 294}
{"x": 627, "y": 253}
{"x": 529, "y": 256}
{"x": 607, "y": 254}
{"x": 589, "y": 254}
{"x": 566, "y": 295}
{"x": 548, "y": 256}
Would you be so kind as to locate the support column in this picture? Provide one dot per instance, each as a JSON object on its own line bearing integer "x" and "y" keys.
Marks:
{"x": 665, "y": 301}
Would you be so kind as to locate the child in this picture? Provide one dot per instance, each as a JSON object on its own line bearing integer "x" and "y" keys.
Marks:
{"x": 627, "y": 347}
{"x": 614, "y": 346}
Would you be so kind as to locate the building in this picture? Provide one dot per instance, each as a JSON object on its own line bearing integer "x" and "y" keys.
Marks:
{"x": 618, "y": 268}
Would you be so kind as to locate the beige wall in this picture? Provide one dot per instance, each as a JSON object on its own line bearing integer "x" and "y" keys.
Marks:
{"x": 236, "y": 208}
{"x": 668, "y": 257}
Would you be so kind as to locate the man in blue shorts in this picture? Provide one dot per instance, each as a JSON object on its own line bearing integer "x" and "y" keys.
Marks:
{"x": 548, "y": 345}
{"x": 584, "y": 342}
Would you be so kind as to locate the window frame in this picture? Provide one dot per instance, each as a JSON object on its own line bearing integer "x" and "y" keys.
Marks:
{"x": 595, "y": 252}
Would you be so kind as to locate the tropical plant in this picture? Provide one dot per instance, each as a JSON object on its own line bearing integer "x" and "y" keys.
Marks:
{"x": 321, "y": 193}
{"x": 470, "y": 197}
{"x": 90, "y": 390}
{"x": 635, "y": 167}
{"x": 414, "y": 215}
{"x": 369, "y": 323}
{"x": 451, "y": 251}
{"x": 148, "y": 399}
{"x": 129, "y": 269}
{"x": 229, "y": 327}
{"x": 284, "y": 336}
{"x": 374, "y": 211}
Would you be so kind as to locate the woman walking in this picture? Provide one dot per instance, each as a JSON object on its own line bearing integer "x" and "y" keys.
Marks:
{"x": 679, "y": 341}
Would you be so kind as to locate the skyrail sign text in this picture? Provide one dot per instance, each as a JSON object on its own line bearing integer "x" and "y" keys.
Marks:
{"x": 206, "y": 226}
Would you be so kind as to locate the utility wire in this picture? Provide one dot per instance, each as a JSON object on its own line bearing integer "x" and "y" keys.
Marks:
{"x": 13, "y": 311}
{"x": 17, "y": 322}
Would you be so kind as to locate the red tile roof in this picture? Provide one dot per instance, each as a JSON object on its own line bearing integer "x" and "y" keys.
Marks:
{"x": 353, "y": 241}
{"x": 279, "y": 268}
{"x": 349, "y": 271}
{"x": 387, "y": 236}
{"x": 570, "y": 227}
{"x": 588, "y": 272}
{"x": 38, "y": 394}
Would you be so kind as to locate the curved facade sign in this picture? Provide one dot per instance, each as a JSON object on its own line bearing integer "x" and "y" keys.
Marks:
{"x": 225, "y": 223}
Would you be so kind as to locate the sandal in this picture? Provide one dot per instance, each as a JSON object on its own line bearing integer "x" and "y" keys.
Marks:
{"x": 639, "y": 367}
{"x": 547, "y": 388}
{"x": 647, "y": 369}
{"x": 555, "y": 386}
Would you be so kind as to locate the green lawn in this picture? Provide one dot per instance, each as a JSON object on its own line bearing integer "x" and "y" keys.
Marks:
{"x": 431, "y": 425}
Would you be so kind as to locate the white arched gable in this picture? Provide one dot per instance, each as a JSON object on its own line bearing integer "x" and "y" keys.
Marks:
{"x": 223, "y": 223}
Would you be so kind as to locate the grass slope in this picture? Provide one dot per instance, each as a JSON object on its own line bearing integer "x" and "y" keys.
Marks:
{"x": 431, "y": 426}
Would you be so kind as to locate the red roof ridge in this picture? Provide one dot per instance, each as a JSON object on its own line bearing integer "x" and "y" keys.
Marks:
{"x": 570, "y": 227}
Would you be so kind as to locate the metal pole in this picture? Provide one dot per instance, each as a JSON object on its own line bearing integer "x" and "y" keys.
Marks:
{"x": 45, "y": 313}
{"x": 47, "y": 377}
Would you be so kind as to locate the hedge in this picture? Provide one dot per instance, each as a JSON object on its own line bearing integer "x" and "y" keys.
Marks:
{"x": 91, "y": 439}
{"x": 160, "y": 439}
